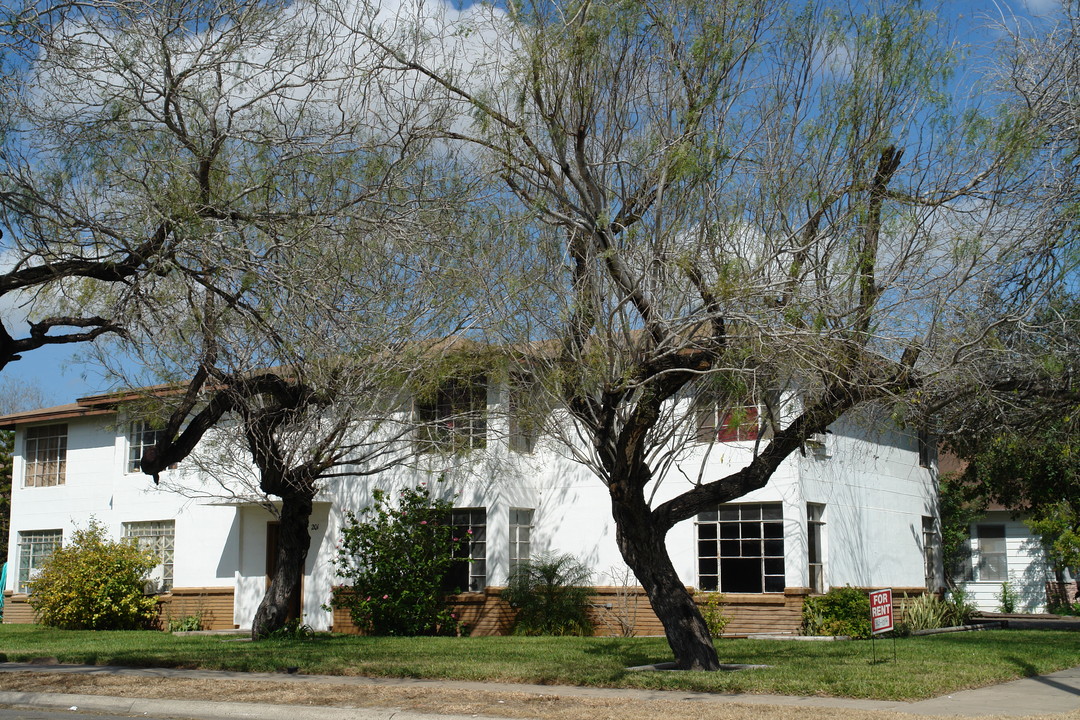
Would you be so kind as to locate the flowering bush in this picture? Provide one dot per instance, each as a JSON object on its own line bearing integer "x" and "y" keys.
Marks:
{"x": 94, "y": 583}
{"x": 393, "y": 560}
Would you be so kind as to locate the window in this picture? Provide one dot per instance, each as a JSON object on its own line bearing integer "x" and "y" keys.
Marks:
{"x": 741, "y": 549}
{"x": 140, "y": 437}
{"x": 159, "y": 538}
{"x": 991, "y": 564}
{"x": 35, "y": 547}
{"x": 525, "y": 414}
{"x": 718, "y": 421}
{"x": 468, "y": 573}
{"x": 815, "y": 524}
{"x": 521, "y": 524}
{"x": 454, "y": 418}
{"x": 46, "y": 455}
{"x": 931, "y": 550}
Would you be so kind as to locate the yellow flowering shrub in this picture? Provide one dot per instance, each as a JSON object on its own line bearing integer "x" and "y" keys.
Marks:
{"x": 94, "y": 583}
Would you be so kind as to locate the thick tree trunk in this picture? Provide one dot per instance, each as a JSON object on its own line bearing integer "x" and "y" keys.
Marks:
{"x": 293, "y": 542}
{"x": 645, "y": 552}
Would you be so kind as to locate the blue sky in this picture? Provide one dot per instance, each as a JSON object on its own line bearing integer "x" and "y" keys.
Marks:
{"x": 62, "y": 376}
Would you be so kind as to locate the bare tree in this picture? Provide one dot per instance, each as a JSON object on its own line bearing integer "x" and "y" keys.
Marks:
{"x": 299, "y": 211}
{"x": 729, "y": 199}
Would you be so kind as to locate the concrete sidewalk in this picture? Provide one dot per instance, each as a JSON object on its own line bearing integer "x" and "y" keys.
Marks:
{"x": 1041, "y": 695}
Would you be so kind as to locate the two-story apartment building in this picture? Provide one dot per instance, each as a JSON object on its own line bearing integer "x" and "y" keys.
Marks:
{"x": 856, "y": 507}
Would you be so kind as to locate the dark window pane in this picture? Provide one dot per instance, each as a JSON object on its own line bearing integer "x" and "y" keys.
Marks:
{"x": 709, "y": 516}
{"x": 740, "y": 576}
{"x": 709, "y": 584}
{"x": 774, "y": 566}
{"x": 707, "y": 566}
{"x": 729, "y": 548}
{"x": 774, "y": 584}
{"x": 774, "y": 530}
{"x": 750, "y": 530}
{"x": 774, "y": 548}
{"x": 772, "y": 512}
{"x": 730, "y": 512}
{"x": 751, "y": 548}
{"x": 707, "y": 532}
{"x": 729, "y": 531}
{"x": 751, "y": 512}
{"x": 706, "y": 548}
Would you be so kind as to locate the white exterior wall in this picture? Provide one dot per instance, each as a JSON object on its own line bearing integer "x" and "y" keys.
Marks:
{"x": 875, "y": 495}
{"x": 1027, "y": 567}
{"x": 874, "y": 492}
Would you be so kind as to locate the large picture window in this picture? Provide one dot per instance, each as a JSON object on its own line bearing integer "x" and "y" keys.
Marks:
{"x": 35, "y": 546}
{"x": 159, "y": 538}
{"x": 741, "y": 549}
{"x": 46, "y": 456}
{"x": 468, "y": 573}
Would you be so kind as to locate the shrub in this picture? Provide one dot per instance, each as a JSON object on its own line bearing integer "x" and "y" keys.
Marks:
{"x": 1007, "y": 597}
{"x": 927, "y": 612}
{"x": 551, "y": 594}
{"x": 187, "y": 623}
{"x": 393, "y": 560}
{"x": 841, "y": 611}
{"x": 712, "y": 610}
{"x": 94, "y": 583}
{"x": 961, "y": 608}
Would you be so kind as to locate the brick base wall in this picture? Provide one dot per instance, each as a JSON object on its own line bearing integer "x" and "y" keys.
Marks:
{"x": 214, "y": 604}
{"x": 618, "y": 611}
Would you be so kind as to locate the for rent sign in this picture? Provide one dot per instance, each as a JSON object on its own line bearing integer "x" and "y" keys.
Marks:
{"x": 881, "y": 615}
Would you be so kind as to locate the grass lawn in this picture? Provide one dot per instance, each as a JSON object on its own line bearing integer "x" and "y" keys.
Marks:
{"x": 925, "y": 666}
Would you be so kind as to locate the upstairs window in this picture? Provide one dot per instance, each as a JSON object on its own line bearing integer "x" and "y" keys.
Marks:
{"x": 717, "y": 418}
{"x": 140, "y": 437}
{"x": 46, "y": 456}
{"x": 525, "y": 414}
{"x": 454, "y": 418}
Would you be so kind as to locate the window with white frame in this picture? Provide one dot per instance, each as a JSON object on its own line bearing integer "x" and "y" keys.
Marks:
{"x": 931, "y": 551}
{"x": 815, "y": 531}
{"x": 454, "y": 417}
{"x": 35, "y": 546}
{"x": 45, "y": 451}
{"x": 159, "y": 538}
{"x": 525, "y": 412}
{"x": 991, "y": 563}
{"x": 468, "y": 572}
{"x": 140, "y": 437}
{"x": 521, "y": 525}
{"x": 741, "y": 548}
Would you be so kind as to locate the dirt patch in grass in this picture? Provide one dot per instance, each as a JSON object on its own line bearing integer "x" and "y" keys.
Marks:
{"x": 510, "y": 704}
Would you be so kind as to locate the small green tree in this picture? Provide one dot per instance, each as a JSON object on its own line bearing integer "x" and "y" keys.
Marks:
{"x": 394, "y": 559}
{"x": 551, "y": 595}
{"x": 94, "y": 583}
{"x": 841, "y": 611}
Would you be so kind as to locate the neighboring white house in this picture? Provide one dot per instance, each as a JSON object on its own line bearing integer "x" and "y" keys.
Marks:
{"x": 857, "y": 507}
{"x": 1004, "y": 550}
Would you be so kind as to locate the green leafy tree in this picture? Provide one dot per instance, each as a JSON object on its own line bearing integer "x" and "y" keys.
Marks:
{"x": 394, "y": 557}
{"x": 94, "y": 583}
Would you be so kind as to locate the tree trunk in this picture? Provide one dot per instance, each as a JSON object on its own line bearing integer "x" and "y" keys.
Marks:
{"x": 645, "y": 552}
{"x": 294, "y": 539}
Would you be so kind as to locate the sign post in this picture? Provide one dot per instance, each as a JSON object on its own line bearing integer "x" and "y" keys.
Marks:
{"x": 881, "y": 617}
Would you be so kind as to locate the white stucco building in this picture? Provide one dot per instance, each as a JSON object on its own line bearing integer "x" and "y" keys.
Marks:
{"x": 857, "y": 507}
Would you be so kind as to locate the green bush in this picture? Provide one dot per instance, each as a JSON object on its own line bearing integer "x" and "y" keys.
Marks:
{"x": 551, "y": 594}
{"x": 841, "y": 611}
{"x": 926, "y": 612}
{"x": 393, "y": 560}
{"x": 187, "y": 623}
{"x": 711, "y": 606}
{"x": 94, "y": 583}
{"x": 961, "y": 608}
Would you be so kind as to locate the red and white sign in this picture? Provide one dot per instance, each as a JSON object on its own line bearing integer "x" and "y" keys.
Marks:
{"x": 881, "y": 615}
